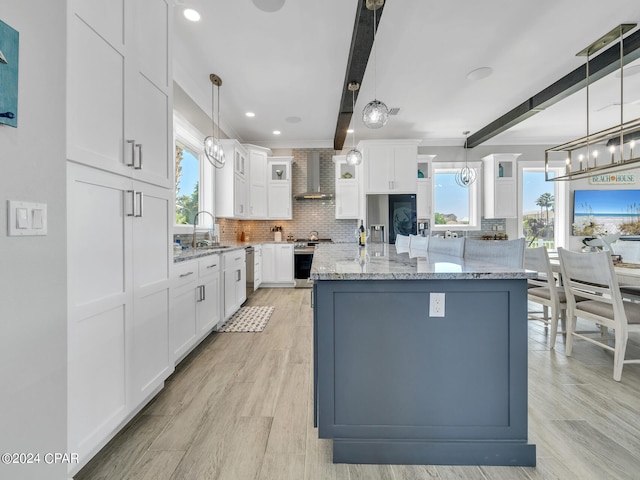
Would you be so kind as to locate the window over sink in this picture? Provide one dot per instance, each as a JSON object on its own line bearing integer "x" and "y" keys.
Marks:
{"x": 193, "y": 177}
{"x": 454, "y": 207}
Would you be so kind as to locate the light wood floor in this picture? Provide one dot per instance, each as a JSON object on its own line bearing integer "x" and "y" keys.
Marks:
{"x": 240, "y": 407}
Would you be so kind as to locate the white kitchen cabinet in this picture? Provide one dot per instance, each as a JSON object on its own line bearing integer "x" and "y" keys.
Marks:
{"x": 195, "y": 303}
{"x": 277, "y": 265}
{"x": 209, "y": 308}
{"x": 235, "y": 274}
{"x": 118, "y": 300}
{"x": 499, "y": 173}
{"x": 231, "y": 182}
{"x": 184, "y": 297}
{"x": 257, "y": 267}
{"x": 120, "y": 90}
{"x": 389, "y": 165}
{"x": 120, "y": 204}
{"x": 424, "y": 187}
{"x": 279, "y": 188}
{"x": 257, "y": 192}
{"x": 347, "y": 197}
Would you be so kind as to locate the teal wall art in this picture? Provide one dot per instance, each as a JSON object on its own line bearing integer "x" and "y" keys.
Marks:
{"x": 8, "y": 75}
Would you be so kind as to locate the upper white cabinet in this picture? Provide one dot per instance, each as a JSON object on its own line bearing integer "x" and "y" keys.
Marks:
{"x": 279, "y": 188}
{"x": 389, "y": 165}
{"x": 500, "y": 185}
{"x": 231, "y": 182}
{"x": 257, "y": 173}
{"x": 348, "y": 179}
{"x": 424, "y": 190}
{"x": 120, "y": 87}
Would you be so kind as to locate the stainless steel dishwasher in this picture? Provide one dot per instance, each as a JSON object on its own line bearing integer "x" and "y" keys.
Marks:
{"x": 250, "y": 263}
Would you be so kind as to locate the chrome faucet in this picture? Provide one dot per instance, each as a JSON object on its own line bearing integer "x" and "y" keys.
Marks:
{"x": 194, "y": 243}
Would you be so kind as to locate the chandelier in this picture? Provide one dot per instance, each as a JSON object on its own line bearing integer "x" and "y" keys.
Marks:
{"x": 466, "y": 176}
{"x": 354, "y": 156}
{"x": 375, "y": 113}
{"x": 212, "y": 146}
{"x": 605, "y": 151}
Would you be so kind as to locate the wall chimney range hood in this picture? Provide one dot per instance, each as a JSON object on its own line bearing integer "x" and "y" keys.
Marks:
{"x": 313, "y": 180}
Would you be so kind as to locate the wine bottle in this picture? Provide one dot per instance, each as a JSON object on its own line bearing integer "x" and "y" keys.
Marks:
{"x": 362, "y": 238}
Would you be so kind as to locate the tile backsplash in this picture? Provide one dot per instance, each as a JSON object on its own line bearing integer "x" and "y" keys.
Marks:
{"x": 308, "y": 215}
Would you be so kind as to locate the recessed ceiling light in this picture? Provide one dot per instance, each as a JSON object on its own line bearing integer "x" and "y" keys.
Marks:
{"x": 269, "y": 5}
{"x": 293, "y": 119}
{"x": 250, "y": 114}
{"x": 479, "y": 73}
{"x": 276, "y": 132}
{"x": 191, "y": 14}
{"x": 350, "y": 130}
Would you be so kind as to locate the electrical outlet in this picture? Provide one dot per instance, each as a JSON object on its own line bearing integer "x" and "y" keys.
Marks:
{"x": 436, "y": 304}
{"x": 500, "y": 228}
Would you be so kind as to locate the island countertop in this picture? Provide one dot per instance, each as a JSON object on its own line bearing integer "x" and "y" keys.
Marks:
{"x": 384, "y": 262}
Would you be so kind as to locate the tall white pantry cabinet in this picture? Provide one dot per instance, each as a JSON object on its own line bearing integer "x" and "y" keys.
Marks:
{"x": 120, "y": 207}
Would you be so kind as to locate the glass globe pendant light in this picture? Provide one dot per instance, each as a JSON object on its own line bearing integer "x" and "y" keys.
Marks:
{"x": 354, "y": 156}
{"x": 375, "y": 113}
{"x": 466, "y": 176}
{"x": 212, "y": 146}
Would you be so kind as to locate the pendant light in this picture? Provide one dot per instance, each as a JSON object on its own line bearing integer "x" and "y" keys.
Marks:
{"x": 212, "y": 146}
{"x": 466, "y": 176}
{"x": 376, "y": 113}
{"x": 354, "y": 157}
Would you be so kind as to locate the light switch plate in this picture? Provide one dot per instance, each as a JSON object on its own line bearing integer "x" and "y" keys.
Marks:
{"x": 26, "y": 218}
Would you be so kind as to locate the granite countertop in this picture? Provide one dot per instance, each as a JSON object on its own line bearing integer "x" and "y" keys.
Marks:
{"x": 193, "y": 253}
{"x": 383, "y": 262}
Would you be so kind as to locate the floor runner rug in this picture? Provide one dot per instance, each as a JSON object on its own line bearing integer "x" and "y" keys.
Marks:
{"x": 248, "y": 319}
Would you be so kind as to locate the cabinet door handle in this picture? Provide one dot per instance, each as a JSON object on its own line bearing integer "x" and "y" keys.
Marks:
{"x": 212, "y": 265}
{"x": 140, "y": 196}
{"x": 139, "y": 147}
{"x": 238, "y": 258}
{"x": 311, "y": 300}
{"x": 186, "y": 274}
{"x": 133, "y": 153}
{"x": 133, "y": 203}
{"x": 239, "y": 275}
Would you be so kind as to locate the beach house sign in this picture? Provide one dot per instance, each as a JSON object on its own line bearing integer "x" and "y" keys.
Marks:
{"x": 622, "y": 178}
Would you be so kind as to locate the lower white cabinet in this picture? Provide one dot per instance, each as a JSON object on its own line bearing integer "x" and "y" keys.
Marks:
{"x": 118, "y": 277}
{"x": 195, "y": 303}
{"x": 277, "y": 264}
{"x": 257, "y": 267}
{"x": 235, "y": 275}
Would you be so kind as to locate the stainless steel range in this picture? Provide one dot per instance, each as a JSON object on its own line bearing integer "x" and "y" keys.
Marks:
{"x": 303, "y": 258}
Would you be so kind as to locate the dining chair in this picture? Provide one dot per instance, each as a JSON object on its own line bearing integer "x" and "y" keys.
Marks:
{"x": 592, "y": 277}
{"x": 402, "y": 241}
{"x": 418, "y": 242}
{"x": 545, "y": 291}
{"x": 446, "y": 246}
{"x": 504, "y": 252}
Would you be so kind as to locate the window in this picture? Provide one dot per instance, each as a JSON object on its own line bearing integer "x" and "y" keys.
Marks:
{"x": 187, "y": 184}
{"x": 455, "y": 206}
{"x": 542, "y": 207}
{"x": 193, "y": 177}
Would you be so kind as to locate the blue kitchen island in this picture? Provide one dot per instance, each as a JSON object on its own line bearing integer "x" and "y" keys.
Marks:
{"x": 393, "y": 384}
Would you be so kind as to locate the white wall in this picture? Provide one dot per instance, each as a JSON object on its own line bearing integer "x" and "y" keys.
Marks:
{"x": 33, "y": 336}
